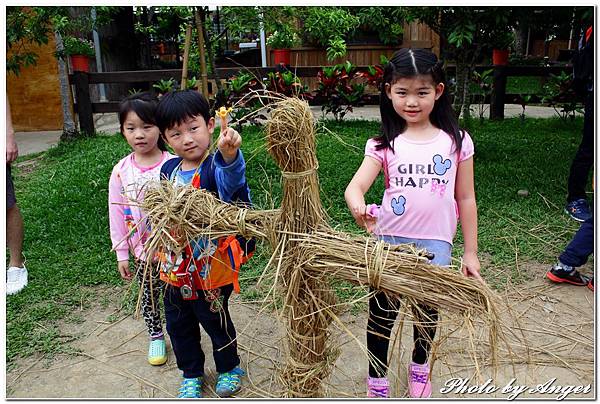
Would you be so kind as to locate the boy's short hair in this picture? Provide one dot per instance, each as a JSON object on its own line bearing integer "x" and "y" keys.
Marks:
{"x": 177, "y": 106}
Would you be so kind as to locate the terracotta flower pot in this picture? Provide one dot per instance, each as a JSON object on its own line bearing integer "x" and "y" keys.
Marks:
{"x": 80, "y": 63}
{"x": 282, "y": 56}
{"x": 500, "y": 56}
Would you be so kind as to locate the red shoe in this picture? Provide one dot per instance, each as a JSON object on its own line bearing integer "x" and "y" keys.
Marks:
{"x": 590, "y": 284}
{"x": 558, "y": 275}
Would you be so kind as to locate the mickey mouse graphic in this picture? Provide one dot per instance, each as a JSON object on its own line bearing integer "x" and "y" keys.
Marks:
{"x": 440, "y": 166}
{"x": 398, "y": 205}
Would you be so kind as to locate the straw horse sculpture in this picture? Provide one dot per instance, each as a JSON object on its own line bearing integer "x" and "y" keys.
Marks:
{"x": 307, "y": 252}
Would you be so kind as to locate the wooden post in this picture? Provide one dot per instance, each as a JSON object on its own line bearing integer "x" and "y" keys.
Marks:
{"x": 186, "y": 56}
{"x": 199, "y": 25}
{"x": 84, "y": 103}
{"x": 498, "y": 93}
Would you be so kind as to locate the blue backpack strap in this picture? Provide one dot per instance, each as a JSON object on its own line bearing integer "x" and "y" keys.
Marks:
{"x": 207, "y": 176}
{"x": 168, "y": 167}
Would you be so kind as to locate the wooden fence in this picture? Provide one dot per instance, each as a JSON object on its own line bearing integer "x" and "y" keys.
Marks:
{"x": 85, "y": 108}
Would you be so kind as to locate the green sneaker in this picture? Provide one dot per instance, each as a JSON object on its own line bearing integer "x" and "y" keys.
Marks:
{"x": 191, "y": 388}
{"x": 229, "y": 383}
{"x": 157, "y": 352}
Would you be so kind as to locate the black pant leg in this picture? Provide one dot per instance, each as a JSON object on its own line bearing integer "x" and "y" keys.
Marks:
{"x": 423, "y": 332}
{"x": 219, "y": 327}
{"x": 584, "y": 158}
{"x": 184, "y": 332}
{"x": 382, "y": 315}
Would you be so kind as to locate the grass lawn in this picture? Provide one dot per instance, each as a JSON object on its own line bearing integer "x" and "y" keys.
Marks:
{"x": 63, "y": 200}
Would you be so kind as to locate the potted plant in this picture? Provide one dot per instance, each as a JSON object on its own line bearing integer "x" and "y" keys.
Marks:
{"x": 80, "y": 50}
{"x": 501, "y": 41}
{"x": 281, "y": 40}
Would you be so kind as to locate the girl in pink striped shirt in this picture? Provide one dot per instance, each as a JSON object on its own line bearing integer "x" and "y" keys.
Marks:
{"x": 428, "y": 168}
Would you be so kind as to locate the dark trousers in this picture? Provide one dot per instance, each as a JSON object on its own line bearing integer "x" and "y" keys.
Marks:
{"x": 584, "y": 158}
{"x": 382, "y": 315}
{"x": 10, "y": 189}
{"x": 183, "y": 317}
{"x": 581, "y": 246}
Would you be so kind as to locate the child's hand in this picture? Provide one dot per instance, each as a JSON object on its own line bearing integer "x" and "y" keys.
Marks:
{"x": 228, "y": 144}
{"x": 363, "y": 219}
{"x": 471, "y": 266}
{"x": 124, "y": 270}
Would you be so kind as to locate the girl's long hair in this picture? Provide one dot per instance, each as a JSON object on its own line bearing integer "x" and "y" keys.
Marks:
{"x": 407, "y": 63}
{"x": 144, "y": 105}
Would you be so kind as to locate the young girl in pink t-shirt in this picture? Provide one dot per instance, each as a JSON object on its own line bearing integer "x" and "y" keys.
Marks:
{"x": 128, "y": 229}
{"x": 427, "y": 163}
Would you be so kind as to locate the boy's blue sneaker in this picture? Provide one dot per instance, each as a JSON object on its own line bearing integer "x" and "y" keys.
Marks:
{"x": 229, "y": 383}
{"x": 579, "y": 210}
{"x": 191, "y": 388}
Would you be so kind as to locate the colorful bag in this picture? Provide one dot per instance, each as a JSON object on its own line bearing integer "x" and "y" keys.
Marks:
{"x": 219, "y": 264}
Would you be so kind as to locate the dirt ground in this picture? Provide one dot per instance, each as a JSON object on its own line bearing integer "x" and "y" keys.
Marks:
{"x": 553, "y": 347}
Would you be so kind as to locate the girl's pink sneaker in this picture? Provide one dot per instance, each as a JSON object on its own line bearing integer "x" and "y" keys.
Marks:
{"x": 419, "y": 383}
{"x": 378, "y": 387}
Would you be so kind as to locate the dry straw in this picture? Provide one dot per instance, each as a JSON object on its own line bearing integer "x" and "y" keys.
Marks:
{"x": 308, "y": 253}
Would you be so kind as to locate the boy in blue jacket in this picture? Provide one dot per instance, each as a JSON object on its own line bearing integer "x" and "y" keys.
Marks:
{"x": 203, "y": 277}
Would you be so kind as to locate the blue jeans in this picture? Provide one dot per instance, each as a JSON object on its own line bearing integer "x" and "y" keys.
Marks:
{"x": 383, "y": 312}
{"x": 441, "y": 249}
{"x": 581, "y": 246}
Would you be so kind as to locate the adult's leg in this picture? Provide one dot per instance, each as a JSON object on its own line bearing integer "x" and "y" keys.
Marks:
{"x": 212, "y": 311}
{"x": 581, "y": 246}
{"x": 584, "y": 158}
{"x": 14, "y": 224}
{"x": 184, "y": 332}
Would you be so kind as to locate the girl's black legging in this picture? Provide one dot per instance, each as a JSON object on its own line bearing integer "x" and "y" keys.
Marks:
{"x": 382, "y": 315}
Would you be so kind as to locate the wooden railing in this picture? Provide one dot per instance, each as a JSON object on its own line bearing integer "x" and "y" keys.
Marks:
{"x": 499, "y": 97}
{"x": 85, "y": 108}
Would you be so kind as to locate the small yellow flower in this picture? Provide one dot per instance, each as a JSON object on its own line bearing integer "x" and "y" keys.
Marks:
{"x": 223, "y": 112}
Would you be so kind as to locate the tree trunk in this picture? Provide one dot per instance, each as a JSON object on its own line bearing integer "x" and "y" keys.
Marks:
{"x": 146, "y": 50}
{"x": 521, "y": 40}
{"x": 462, "y": 82}
{"x": 467, "y": 94}
{"x": 212, "y": 65}
{"x": 199, "y": 16}
{"x": 69, "y": 128}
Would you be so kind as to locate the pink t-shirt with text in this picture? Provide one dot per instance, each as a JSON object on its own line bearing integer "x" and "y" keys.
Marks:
{"x": 419, "y": 202}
